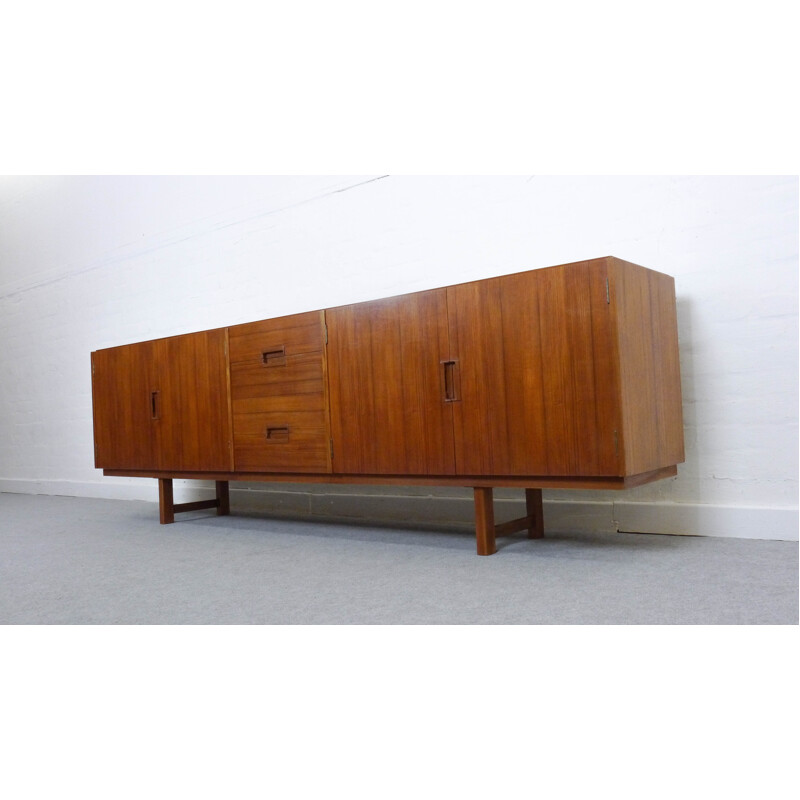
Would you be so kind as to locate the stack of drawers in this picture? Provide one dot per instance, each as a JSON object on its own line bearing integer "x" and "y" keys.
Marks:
{"x": 279, "y": 395}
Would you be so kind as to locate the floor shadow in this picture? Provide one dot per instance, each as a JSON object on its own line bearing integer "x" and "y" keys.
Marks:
{"x": 449, "y": 537}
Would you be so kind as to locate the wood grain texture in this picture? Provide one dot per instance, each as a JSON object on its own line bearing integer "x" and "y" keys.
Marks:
{"x": 299, "y": 377}
{"x": 223, "y": 498}
{"x": 387, "y": 404}
{"x": 123, "y": 379}
{"x": 288, "y": 391}
{"x": 538, "y": 382}
{"x": 297, "y": 333}
{"x": 193, "y": 430}
{"x": 499, "y": 481}
{"x": 645, "y": 320}
{"x": 303, "y": 447}
{"x": 534, "y": 509}
{"x": 565, "y": 377}
{"x": 229, "y": 394}
{"x": 166, "y": 505}
{"x": 163, "y": 403}
{"x": 513, "y": 526}
{"x": 484, "y": 521}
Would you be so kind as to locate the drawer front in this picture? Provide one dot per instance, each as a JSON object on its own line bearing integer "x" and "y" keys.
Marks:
{"x": 255, "y": 387}
{"x": 281, "y": 441}
{"x": 271, "y": 340}
{"x": 279, "y": 395}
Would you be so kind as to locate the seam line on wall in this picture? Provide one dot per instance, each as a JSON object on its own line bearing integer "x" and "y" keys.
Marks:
{"x": 108, "y": 261}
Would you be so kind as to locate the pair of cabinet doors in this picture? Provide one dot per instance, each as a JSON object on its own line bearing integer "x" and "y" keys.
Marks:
{"x": 163, "y": 404}
{"x": 495, "y": 377}
{"x": 516, "y": 375}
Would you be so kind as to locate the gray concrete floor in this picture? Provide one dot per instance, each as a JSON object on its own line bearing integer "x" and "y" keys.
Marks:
{"x": 85, "y": 561}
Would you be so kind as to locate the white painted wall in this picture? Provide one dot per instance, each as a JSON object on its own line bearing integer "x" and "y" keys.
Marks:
{"x": 91, "y": 262}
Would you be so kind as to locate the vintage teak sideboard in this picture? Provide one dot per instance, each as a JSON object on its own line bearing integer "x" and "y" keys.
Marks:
{"x": 561, "y": 377}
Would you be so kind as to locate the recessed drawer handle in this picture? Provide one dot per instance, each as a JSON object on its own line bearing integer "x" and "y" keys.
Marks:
{"x": 274, "y": 358}
{"x": 279, "y": 433}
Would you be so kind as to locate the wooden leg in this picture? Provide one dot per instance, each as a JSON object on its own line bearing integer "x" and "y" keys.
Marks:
{"x": 223, "y": 499}
{"x": 533, "y": 508}
{"x": 166, "y": 506}
{"x": 484, "y": 521}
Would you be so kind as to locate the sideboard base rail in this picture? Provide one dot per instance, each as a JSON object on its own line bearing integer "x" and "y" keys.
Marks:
{"x": 615, "y": 482}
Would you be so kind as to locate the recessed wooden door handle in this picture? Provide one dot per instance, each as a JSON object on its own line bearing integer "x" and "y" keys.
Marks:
{"x": 449, "y": 377}
{"x": 154, "y": 405}
{"x": 274, "y": 358}
{"x": 277, "y": 433}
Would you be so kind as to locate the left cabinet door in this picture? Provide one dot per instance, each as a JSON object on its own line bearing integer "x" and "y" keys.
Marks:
{"x": 125, "y": 401}
{"x": 163, "y": 405}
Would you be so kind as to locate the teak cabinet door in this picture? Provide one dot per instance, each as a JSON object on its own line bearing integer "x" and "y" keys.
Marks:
{"x": 193, "y": 428}
{"x": 163, "y": 405}
{"x": 387, "y": 361}
{"x": 537, "y": 376}
{"x": 125, "y": 405}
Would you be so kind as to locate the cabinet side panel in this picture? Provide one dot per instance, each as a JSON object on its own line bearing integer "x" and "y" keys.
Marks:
{"x": 649, "y": 366}
{"x": 669, "y": 399}
{"x": 96, "y": 420}
{"x": 388, "y": 411}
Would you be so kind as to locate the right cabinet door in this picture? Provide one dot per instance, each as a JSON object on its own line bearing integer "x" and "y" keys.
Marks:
{"x": 538, "y": 382}
{"x": 193, "y": 429}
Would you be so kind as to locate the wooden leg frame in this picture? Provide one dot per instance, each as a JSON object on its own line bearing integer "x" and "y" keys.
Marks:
{"x": 168, "y": 508}
{"x": 485, "y": 529}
